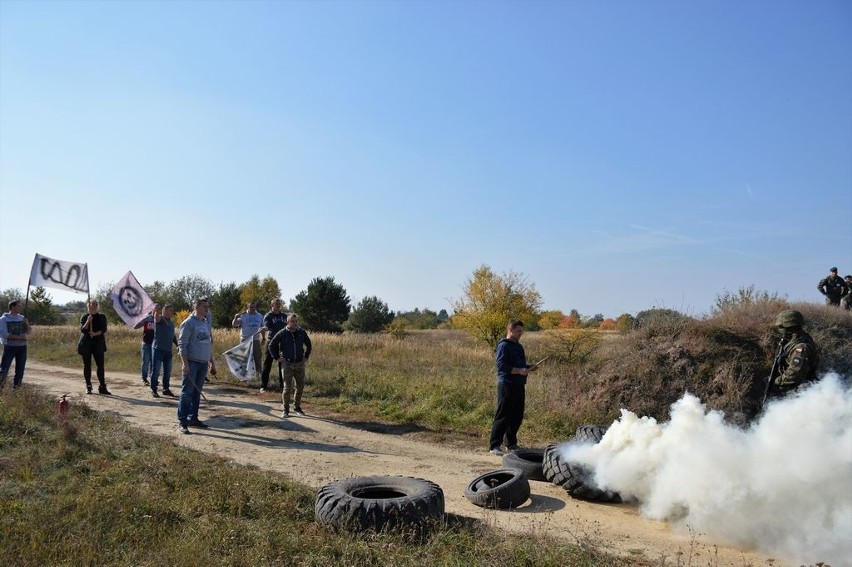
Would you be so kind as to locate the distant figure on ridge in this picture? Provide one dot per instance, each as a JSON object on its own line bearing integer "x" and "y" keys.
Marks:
{"x": 846, "y": 300}
{"x": 832, "y": 287}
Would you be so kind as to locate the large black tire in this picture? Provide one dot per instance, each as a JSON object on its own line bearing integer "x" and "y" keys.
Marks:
{"x": 554, "y": 468}
{"x": 503, "y": 488}
{"x": 579, "y": 482}
{"x": 591, "y": 434}
{"x": 528, "y": 460}
{"x": 379, "y": 503}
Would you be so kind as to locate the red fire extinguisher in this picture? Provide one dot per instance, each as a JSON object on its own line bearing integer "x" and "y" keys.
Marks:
{"x": 63, "y": 407}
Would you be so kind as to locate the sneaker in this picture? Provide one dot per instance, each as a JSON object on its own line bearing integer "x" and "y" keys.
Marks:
{"x": 88, "y": 389}
{"x": 497, "y": 451}
{"x": 168, "y": 392}
{"x": 298, "y": 410}
{"x": 145, "y": 382}
{"x": 197, "y": 423}
{"x": 104, "y": 392}
{"x": 285, "y": 413}
{"x": 513, "y": 448}
{"x": 183, "y": 429}
{"x": 262, "y": 391}
{"x": 155, "y": 394}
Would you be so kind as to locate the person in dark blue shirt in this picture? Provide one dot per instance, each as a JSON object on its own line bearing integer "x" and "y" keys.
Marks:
{"x": 512, "y": 371}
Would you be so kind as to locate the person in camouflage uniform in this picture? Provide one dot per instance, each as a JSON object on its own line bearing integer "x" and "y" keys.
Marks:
{"x": 799, "y": 356}
{"x": 832, "y": 287}
{"x": 846, "y": 300}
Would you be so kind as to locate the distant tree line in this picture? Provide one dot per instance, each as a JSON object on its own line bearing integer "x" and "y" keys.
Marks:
{"x": 488, "y": 302}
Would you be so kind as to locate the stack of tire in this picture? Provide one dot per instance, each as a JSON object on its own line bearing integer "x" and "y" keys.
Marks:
{"x": 576, "y": 478}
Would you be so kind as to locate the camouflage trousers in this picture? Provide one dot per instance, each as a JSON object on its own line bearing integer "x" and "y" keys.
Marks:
{"x": 292, "y": 372}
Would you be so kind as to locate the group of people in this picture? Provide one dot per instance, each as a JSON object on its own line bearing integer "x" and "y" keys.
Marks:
{"x": 289, "y": 345}
{"x": 837, "y": 290}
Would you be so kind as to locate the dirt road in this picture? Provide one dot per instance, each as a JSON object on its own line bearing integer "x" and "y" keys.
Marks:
{"x": 315, "y": 450}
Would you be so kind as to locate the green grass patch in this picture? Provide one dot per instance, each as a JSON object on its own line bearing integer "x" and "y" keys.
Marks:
{"x": 91, "y": 490}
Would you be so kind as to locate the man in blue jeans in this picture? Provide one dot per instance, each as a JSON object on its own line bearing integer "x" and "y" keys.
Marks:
{"x": 146, "y": 352}
{"x": 512, "y": 371}
{"x": 14, "y": 332}
{"x": 164, "y": 336}
{"x": 195, "y": 344}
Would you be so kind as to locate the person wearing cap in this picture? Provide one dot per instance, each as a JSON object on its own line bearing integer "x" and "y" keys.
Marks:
{"x": 832, "y": 287}
{"x": 799, "y": 355}
{"x": 846, "y": 300}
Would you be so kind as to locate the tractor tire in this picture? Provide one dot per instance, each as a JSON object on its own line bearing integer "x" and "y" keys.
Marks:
{"x": 503, "y": 488}
{"x": 590, "y": 434}
{"x": 379, "y": 503}
{"x": 554, "y": 468}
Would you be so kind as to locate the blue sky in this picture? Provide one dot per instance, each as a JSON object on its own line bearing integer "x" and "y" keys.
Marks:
{"x": 622, "y": 155}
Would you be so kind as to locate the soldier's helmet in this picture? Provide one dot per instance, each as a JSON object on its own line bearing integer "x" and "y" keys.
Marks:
{"x": 789, "y": 318}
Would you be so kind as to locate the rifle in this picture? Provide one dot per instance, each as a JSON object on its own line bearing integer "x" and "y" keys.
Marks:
{"x": 775, "y": 364}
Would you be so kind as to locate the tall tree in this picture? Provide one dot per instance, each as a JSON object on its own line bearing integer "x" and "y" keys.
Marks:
{"x": 371, "y": 315}
{"x": 550, "y": 319}
{"x": 417, "y": 319}
{"x": 260, "y": 291}
{"x": 490, "y": 301}
{"x": 102, "y": 296}
{"x": 41, "y": 310}
{"x": 8, "y": 295}
{"x": 227, "y": 299}
{"x": 157, "y": 291}
{"x": 184, "y": 290}
{"x": 323, "y": 307}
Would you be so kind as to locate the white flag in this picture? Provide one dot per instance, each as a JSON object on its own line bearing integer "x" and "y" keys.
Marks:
{"x": 48, "y": 272}
{"x": 130, "y": 301}
{"x": 240, "y": 360}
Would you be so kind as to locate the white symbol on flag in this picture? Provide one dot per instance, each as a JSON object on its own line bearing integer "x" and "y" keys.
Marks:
{"x": 240, "y": 360}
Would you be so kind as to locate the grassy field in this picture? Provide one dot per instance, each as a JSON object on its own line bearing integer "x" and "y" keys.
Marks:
{"x": 93, "y": 491}
{"x": 437, "y": 381}
{"x": 442, "y": 383}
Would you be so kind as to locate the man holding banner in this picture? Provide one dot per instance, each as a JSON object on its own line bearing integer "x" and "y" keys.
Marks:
{"x": 250, "y": 324}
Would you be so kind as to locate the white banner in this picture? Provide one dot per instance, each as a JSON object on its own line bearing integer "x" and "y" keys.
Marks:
{"x": 47, "y": 272}
{"x": 240, "y": 360}
{"x": 130, "y": 301}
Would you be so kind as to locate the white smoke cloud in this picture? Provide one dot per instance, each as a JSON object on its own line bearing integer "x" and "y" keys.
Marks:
{"x": 783, "y": 486}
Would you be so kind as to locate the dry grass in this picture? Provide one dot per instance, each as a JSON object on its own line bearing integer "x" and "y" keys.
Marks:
{"x": 441, "y": 383}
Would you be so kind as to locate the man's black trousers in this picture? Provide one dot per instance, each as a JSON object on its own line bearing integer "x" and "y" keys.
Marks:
{"x": 509, "y": 414}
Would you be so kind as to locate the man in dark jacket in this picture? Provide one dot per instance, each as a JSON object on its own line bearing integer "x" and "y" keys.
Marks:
{"x": 832, "y": 287}
{"x": 291, "y": 347}
{"x": 512, "y": 371}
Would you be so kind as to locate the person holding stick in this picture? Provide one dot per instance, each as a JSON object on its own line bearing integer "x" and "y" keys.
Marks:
{"x": 512, "y": 371}
{"x": 195, "y": 343}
